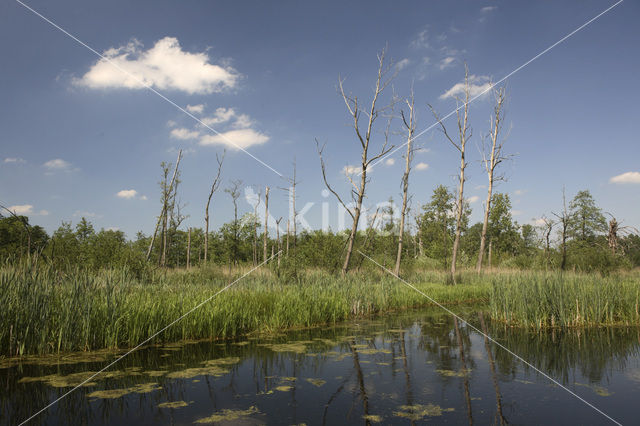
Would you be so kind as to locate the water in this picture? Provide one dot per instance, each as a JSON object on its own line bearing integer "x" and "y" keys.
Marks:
{"x": 400, "y": 369}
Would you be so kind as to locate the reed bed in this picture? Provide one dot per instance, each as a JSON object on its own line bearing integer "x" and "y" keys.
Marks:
{"x": 44, "y": 310}
{"x": 544, "y": 300}
{"x": 47, "y": 311}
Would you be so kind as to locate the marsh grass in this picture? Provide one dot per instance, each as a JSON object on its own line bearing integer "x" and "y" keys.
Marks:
{"x": 46, "y": 311}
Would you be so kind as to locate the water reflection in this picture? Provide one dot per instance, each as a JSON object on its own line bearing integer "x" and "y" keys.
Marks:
{"x": 406, "y": 368}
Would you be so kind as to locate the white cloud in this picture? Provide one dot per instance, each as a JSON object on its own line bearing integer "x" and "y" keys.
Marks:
{"x": 143, "y": 197}
{"x": 403, "y": 64}
{"x": 113, "y": 229}
{"x": 241, "y": 138}
{"x": 354, "y": 170}
{"x": 421, "y": 40}
{"x": 422, "y": 166}
{"x": 477, "y": 85}
{"x": 127, "y": 193}
{"x": 22, "y": 209}
{"x": 538, "y": 222}
{"x": 195, "y": 109}
{"x": 164, "y": 66}
{"x": 628, "y": 177}
{"x": 43, "y": 213}
{"x": 516, "y": 212}
{"x": 390, "y": 161}
{"x": 57, "y": 164}
{"x": 243, "y": 121}
{"x": 487, "y": 9}
{"x": 446, "y": 62}
{"x": 519, "y": 192}
{"x": 14, "y": 160}
{"x": 171, "y": 123}
{"x": 473, "y": 199}
{"x": 221, "y": 115}
{"x": 184, "y": 134}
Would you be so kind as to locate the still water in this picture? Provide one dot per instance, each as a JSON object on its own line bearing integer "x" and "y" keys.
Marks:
{"x": 411, "y": 368}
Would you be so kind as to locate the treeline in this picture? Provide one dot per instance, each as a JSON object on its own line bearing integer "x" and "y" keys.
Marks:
{"x": 580, "y": 238}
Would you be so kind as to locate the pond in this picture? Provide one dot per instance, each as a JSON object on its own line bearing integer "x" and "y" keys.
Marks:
{"x": 406, "y": 368}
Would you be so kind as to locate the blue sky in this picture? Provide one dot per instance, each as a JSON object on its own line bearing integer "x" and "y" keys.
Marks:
{"x": 77, "y": 132}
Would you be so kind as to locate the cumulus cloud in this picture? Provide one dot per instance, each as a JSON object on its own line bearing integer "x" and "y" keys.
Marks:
{"x": 22, "y": 209}
{"x": 195, "y": 109}
{"x": 243, "y": 121}
{"x": 390, "y": 161}
{"x": 235, "y": 139}
{"x": 164, "y": 66}
{"x": 628, "y": 177}
{"x": 473, "y": 199}
{"x": 184, "y": 134}
{"x": 477, "y": 85}
{"x": 14, "y": 160}
{"x": 422, "y": 166}
{"x": 57, "y": 164}
{"x": 221, "y": 115}
{"x": 487, "y": 9}
{"x": 127, "y": 193}
{"x": 354, "y": 170}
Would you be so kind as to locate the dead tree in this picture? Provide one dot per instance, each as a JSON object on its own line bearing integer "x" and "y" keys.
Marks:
{"x": 615, "y": 231}
{"x": 490, "y": 163}
{"x": 254, "y": 219}
{"x": 464, "y": 134}
{"x": 293, "y": 213}
{"x": 363, "y": 136}
{"x": 234, "y": 193}
{"x": 214, "y": 188}
{"x": 564, "y": 218}
{"x": 278, "y": 239}
{"x": 410, "y": 128}
{"x": 547, "y": 227}
{"x": 266, "y": 223}
{"x": 163, "y": 213}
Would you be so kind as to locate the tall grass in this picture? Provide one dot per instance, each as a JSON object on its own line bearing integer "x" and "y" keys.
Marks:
{"x": 44, "y": 310}
{"x": 542, "y": 300}
{"x": 47, "y": 311}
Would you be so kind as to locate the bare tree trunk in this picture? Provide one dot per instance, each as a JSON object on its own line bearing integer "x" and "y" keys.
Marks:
{"x": 494, "y": 376}
{"x": 214, "y": 187}
{"x": 164, "y": 206}
{"x": 255, "y": 232}
{"x": 189, "y": 249}
{"x": 464, "y": 134}
{"x": 405, "y": 179}
{"x": 266, "y": 224}
{"x": 364, "y": 138}
{"x": 288, "y": 237}
{"x": 564, "y": 222}
{"x": 495, "y": 159}
{"x": 278, "y": 239}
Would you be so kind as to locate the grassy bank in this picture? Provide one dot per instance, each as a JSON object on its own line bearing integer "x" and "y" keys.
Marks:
{"x": 46, "y": 311}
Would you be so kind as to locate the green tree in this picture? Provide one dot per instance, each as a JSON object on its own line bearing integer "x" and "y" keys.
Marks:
{"x": 438, "y": 224}
{"x": 586, "y": 220}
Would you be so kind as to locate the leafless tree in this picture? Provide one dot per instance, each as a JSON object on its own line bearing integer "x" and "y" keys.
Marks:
{"x": 464, "y": 134}
{"x": 265, "y": 235}
{"x": 278, "y": 238}
{"x": 490, "y": 161}
{"x": 615, "y": 230}
{"x": 363, "y": 136}
{"x": 165, "y": 195}
{"x": 564, "y": 218}
{"x": 547, "y": 227}
{"x": 254, "y": 219}
{"x": 234, "y": 192}
{"x": 214, "y": 187}
{"x": 410, "y": 126}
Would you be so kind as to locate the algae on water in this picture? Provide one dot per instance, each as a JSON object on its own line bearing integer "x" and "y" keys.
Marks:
{"x": 417, "y": 412}
{"x": 229, "y": 415}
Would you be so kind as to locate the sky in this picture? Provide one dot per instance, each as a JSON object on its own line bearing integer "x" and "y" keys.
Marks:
{"x": 84, "y": 135}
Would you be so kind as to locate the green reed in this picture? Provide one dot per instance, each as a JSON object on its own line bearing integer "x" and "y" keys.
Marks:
{"x": 48, "y": 311}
